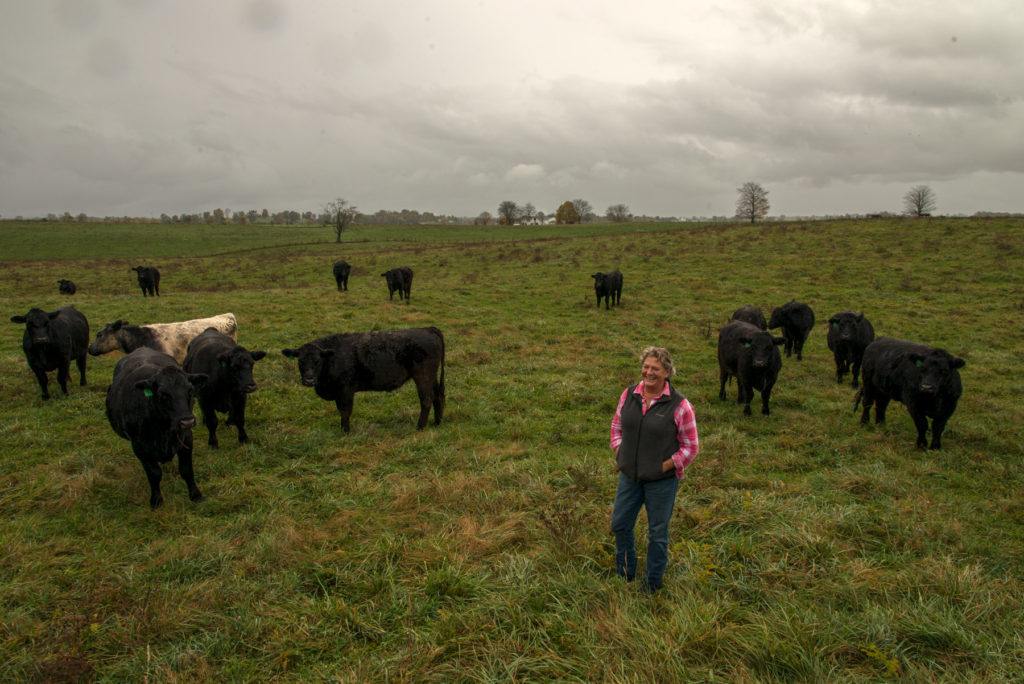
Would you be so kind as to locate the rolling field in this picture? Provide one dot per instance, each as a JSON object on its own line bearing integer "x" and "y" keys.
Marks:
{"x": 804, "y": 546}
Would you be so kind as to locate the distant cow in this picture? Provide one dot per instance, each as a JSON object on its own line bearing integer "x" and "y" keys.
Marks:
{"x": 750, "y": 314}
{"x": 149, "y": 403}
{"x": 750, "y": 354}
{"x": 170, "y": 338}
{"x": 849, "y": 334}
{"x": 609, "y": 286}
{"x": 796, "y": 320}
{"x": 66, "y": 287}
{"x": 399, "y": 280}
{"x": 51, "y": 340}
{"x": 228, "y": 368}
{"x": 338, "y": 366}
{"x": 925, "y": 379}
{"x": 341, "y": 271}
{"x": 149, "y": 280}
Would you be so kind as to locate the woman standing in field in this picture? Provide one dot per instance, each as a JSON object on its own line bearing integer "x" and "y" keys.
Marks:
{"x": 654, "y": 437}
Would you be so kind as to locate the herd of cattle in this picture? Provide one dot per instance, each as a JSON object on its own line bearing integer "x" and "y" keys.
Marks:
{"x": 168, "y": 366}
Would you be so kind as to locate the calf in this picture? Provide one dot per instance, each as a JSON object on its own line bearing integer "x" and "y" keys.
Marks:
{"x": 51, "y": 340}
{"x": 341, "y": 271}
{"x": 399, "y": 280}
{"x": 751, "y": 354}
{"x": 796, "y": 320}
{"x": 66, "y": 287}
{"x": 149, "y": 280}
{"x": 849, "y": 334}
{"x": 609, "y": 286}
{"x": 170, "y": 338}
{"x": 149, "y": 403}
{"x": 228, "y": 368}
{"x": 750, "y": 314}
{"x": 338, "y": 366}
{"x": 924, "y": 379}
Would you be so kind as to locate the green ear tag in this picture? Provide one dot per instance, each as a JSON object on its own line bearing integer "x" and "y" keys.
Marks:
{"x": 223, "y": 364}
{"x": 917, "y": 363}
{"x": 148, "y": 392}
{"x": 747, "y": 345}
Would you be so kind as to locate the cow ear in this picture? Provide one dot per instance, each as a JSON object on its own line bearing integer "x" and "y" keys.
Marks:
{"x": 958, "y": 362}
{"x": 290, "y": 353}
{"x": 53, "y": 314}
{"x": 257, "y": 355}
{"x": 116, "y": 325}
{"x": 198, "y": 379}
{"x": 778, "y": 340}
{"x": 326, "y": 353}
{"x": 18, "y": 319}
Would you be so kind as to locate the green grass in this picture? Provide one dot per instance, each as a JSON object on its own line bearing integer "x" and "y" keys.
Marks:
{"x": 804, "y": 546}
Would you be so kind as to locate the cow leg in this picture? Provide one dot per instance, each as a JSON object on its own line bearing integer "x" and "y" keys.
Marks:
{"x": 799, "y": 349}
{"x": 789, "y": 346}
{"x": 43, "y": 382}
{"x": 723, "y": 376}
{"x": 210, "y": 421}
{"x": 881, "y": 403}
{"x": 425, "y": 390}
{"x": 236, "y": 417}
{"x": 855, "y": 371}
{"x": 63, "y": 371}
{"x": 438, "y": 393}
{"x": 80, "y": 362}
{"x": 344, "y": 404}
{"x": 153, "y": 474}
{"x": 921, "y": 423}
{"x": 766, "y": 394}
{"x": 185, "y": 467}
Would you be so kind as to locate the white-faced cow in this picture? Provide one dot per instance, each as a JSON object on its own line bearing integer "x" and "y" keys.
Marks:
{"x": 609, "y": 286}
{"x": 750, "y": 354}
{"x": 149, "y": 280}
{"x": 399, "y": 280}
{"x": 228, "y": 368}
{"x": 796, "y": 320}
{"x": 849, "y": 334}
{"x": 51, "y": 340}
{"x": 149, "y": 403}
{"x": 338, "y": 366}
{"x": 924, "y": 379}
{"x": 169, "y": 338}
{"x": 66, "y": 287}
{"x": 750, "y": 314}
{"x": 341, "y": 272}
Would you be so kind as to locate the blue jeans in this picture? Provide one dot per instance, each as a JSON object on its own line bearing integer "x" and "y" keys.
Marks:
{"x": 659, "y": 497}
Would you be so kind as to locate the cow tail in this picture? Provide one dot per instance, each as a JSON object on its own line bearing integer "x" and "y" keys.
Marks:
{"x": 440, "y": 386}
{"x": 860, "y": 394}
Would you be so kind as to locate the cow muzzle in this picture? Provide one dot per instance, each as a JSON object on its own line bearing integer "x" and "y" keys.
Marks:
{"x": 307, "y": 381}
{"x": 250, "y": 388}
{"x": 187, "y": 423}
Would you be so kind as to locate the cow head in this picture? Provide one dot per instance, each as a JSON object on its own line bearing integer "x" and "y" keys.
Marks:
{"x": 37, "y": 325}
{"x": 598, "y": 280}
{"x": 844, "y": 325}
{"x": 171, "y": 393}
{"x": 311, "y": 361}
{"x": 238, "y": 364}
{"x": 761, "y": 347}
{"x": 935, "y": 368}
{"x": 106, "y": 339}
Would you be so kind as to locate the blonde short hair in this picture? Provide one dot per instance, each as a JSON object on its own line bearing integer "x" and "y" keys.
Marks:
{"x": 661, "y": 354}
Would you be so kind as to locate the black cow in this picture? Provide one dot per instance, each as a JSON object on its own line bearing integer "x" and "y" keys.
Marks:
{"x": 750, "y": 314}
{"x": 228, "y": 367}
{"x": 341, "y": 271}
{"x": 399, "y": 280}
{"x": 149, "y": 280}
{"x": 751, "y": 354}
{"x": 796, "y": 320}
{"x": 609, "y": 286}
{"x": 51, "y": 340}
{"x": 849, "y": 334}
{"x": 925, "y": 379}
{"x": 338, "y": 366}
{"x": 66, "y": 287}
{"x": 150, "y": 403}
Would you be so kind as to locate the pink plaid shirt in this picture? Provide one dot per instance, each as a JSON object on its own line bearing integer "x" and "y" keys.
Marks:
{"x": 686, "y": 428}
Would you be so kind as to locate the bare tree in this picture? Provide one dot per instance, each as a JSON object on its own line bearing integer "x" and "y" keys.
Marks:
{"x": 618, "y": 213}
{"x": 341, "y": 214}
{"x": 509, "y": 211}
{"x": 919, "y": 201}
{"x": 583, "y": 209}
{"x": 752, "y": 202}
{"x": 528, "y": 213}
{"x": 483, "y": 219}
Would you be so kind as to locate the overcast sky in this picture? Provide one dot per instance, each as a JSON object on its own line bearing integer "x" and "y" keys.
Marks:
{"x": 138, "y": 107}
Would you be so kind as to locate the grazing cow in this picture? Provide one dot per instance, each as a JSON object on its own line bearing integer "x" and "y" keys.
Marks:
{"x": 609, "y": 286}
{"x": 66, "y": 287}
{"x": 51, "y": 340}
{"x": 849, "y": 334}
{"x": 338, "y": 366}
{"x": 750, "y": 314}
{"x": 149, "y": 403}
{"x": 924, "y": 379}
{"x": 341, "y": 271}
{"x": 749, "y": 353}
{"x": 399, "y": 280}
{"x": 796, "y": 320}
{"x": 149, "y": 280}
{"x": 228, "y": 368}
{"x": 170, "y": 338}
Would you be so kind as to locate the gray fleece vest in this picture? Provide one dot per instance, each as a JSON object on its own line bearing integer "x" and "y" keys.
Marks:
{"x": 648, "y": 439}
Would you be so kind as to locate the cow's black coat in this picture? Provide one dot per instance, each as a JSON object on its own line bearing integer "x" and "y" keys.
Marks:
{"x": 796, "y": 320}
{"x": 51, "y": 340}
{"x": 609, "y": 286}
{"x": 149, "y": 403}
{"x": 924, "y": 379}
{"x": 341, "y": 271}
{"x": 66, "y": 287}
{"x": 849, "y": 334}
{"x": 149, "y": 280}
{"x": 399, "y": 280}
{"x": 228, "y": 367}
{"x": 750, "y": 314}
{"x": 338, "y": 366}
{"x": 750, "y": 354}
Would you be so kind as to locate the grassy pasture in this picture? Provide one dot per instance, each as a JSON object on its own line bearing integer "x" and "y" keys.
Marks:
{"x": 804, "y": 546}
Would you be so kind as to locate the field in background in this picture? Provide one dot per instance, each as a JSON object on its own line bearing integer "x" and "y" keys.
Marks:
{"x": 805, "y": 547}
